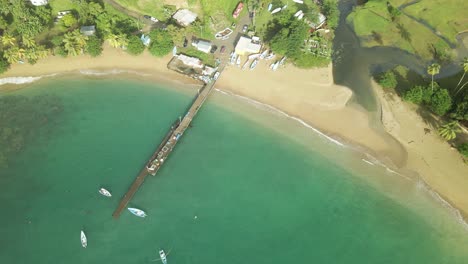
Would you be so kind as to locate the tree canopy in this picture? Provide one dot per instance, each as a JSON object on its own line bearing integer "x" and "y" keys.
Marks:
{"x": 161, "y": 43}
{"x": 135, "y": 46}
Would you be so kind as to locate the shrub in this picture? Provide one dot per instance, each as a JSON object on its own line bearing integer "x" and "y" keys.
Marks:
{"x": 94, "y": 46}
{"x": 441, "y": 102}
{"x": 135, "y": 46}
{"x": 4, "y": 65}
{"x": 463, "y": 149}
{"x": 414, "y": 95}
{"x": 161, "y": 43}
{"x": 60, "y": 50}
{"x": 388, "y": 80}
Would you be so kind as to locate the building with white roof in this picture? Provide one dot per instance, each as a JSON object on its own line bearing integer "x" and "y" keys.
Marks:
{"x": 39, "y": 2}
{"x": 202, "y": 45}
{"x": 190, "y": 61}
{"x": 184, "y": 17}
{"x": 246, "y": 45}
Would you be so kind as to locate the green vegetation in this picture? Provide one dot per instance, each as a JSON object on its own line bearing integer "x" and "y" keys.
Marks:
{"x": 463, "y": 148}
{"x": 94, "y": 46}
{"x": 161, "y": 43}
{"x": 426, "y": 28}
{"x": 388, "y": 80}
{"x": 4, "y": 65}
{"x": 135, "y": 46}
{"x": 207, "y": 58}
{"x": 449, "y": 131}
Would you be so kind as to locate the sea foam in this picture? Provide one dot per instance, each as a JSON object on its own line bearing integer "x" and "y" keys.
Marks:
{"x": 22, "y": 79}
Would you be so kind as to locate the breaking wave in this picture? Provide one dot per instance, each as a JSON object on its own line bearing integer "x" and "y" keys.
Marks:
{"x": 22, "y": 79}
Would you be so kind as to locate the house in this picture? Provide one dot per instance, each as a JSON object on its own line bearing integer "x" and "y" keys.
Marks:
{"x": 202, "y": 45}
{"x": 248, "y": 45}
{"x": 320, "y": 21}
{"x": 184, "y": 17}
{"x": 88, "y": 30}
{"x": 145, "y": 39}
{"x": 190, "y": 61}
{"x": 39, "y": 2}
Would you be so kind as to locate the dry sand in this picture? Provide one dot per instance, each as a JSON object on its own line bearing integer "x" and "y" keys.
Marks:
{"x": 311, "y": 96}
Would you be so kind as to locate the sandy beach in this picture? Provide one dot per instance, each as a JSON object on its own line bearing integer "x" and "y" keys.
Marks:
{"x": 311, "y": 96}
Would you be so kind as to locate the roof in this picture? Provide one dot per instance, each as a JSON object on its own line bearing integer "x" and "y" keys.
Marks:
{"x": 190, "y": 61}
{"x": 145, "y": 39}
{"x": 203, "y": 45}
{"x": 184, "y": 17}
{"x": 246, "y": 45}
{"x": 88, "y": 30}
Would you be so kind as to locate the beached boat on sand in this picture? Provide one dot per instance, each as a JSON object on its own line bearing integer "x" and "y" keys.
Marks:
{"x": 254, "y": 64}
{"x": 105, "y": 192}
{"x": 84, "y": 240}
{"x": 245, "y": 65}
{"x": 274, "y": 66}
{"x": 270, "y": 56}
{"x": 264, "y": 54}
{"x": 137, "y": 212}
{"x": 224, "y": 34}
{"x": 254, "y": 56}
{"x": 238, "y": 62}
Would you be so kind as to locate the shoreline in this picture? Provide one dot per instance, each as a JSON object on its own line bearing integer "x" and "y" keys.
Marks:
{"x": 311, "y": 99}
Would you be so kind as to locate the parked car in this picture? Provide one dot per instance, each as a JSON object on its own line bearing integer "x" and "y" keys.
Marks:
{"x": 223, "y": 49}
{"x": 213, "y": 48}
{"x": 150, "y": 18}
{"x": 185, "y": 42}
{"x": 216, "y": 75}
{"x": 244, "y": 28}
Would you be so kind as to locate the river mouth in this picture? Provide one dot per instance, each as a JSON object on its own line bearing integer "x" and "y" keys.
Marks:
{"x": 353, "y": 64}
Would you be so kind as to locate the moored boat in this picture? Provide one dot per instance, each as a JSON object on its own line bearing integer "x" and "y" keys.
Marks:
{"x": 105, "y": 192}
{"x": 84, "y": 240}
{"x": 254, "y": 64}
{"x": 137, "y": 212}
{"x": 163, "y": 256}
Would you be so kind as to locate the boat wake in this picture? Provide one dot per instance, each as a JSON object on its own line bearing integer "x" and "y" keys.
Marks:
{"x": 371, "y": 160}
{"x": 23, "y": 79}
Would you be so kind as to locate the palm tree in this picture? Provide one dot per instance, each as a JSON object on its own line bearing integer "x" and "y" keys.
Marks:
{"x": 42, "y": 52}
{"x": 449, "y": 131}
{"x": 28, "y": 42}
{"x": 113, "y": 40}
{"x": 14, "y": 54}
{"x": 74, "y": 42}
{"x": 8, "y": 40}
{"x": 433, "y": 69}
{"x": 465, "y": 70}
{"x": 123, "y": 40}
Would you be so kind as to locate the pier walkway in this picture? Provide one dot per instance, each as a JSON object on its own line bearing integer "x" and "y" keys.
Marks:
{"x": 167, "y": 145}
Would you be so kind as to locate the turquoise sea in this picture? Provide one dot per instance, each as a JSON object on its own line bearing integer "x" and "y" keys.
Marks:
{"x": 244, "y": 185}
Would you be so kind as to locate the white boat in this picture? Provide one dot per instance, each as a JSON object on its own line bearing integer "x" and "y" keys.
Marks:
{"x": 174, "y": 51}
{"x": 245, "y": 65}
{"x": 238, "y": 61}
{"x": 137, "y": 212}
{"x": 281, "y": 62}
{"x": 275, "y": 66}
{"x": 298, "y": 1}
{"x": 224, "y": 34}
{"x": 254, "y": 56}
{"x": 105, "y": 192}
{"x": 269, "y": 7}
{"x": 298, "y": 13}
{"x": 254, "y": 64}
{"x": 84, "y": 240}
{"x": 264, "y": 54}
{"x": 233, "y": 58}
{"x": 276, "y": 10}
{"x": 163, "y": 256}
{"x": 284, "y": 7}
{"x": 300, "y": 16}
{"x": 270, "y": 56}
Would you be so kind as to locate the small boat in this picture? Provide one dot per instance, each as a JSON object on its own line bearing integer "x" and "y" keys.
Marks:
{"x": 300, "y": 16}
{"x": 269, "y": 7}
{"x": 254, "y": 64}
{"x": 174, "y": 51}
{"x": 224, "y": 34}
{"x": 238, "y": 61}
{"x": 254, "y": 56}
{"x": 105, "y": 192}
{"x": 298, "y": 13}
{"x": 298, "y": 1}
{"x": 137, "y": 212}
{"x": 163, "y": 256}
{"x": 270, "y": 56}
{"x": 276, "y": 10}
{"x": 284, "y": 7}
{"x": 84, "y": 240}
{"x": 245, "y": 65}
{"x": 281, "y": 62}
{"x": 264, "y": 54}
{"x": 274, "y": 66}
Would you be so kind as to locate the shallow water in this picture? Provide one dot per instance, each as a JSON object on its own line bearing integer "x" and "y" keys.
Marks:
{"x": 244, "y": 184}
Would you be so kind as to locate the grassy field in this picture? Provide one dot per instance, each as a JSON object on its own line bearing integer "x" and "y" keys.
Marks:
{"x": 207, "y": 58}
{"x": 373, "y": 24}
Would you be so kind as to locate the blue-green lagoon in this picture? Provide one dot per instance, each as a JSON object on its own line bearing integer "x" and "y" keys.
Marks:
{"x": 244, "y": 185}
